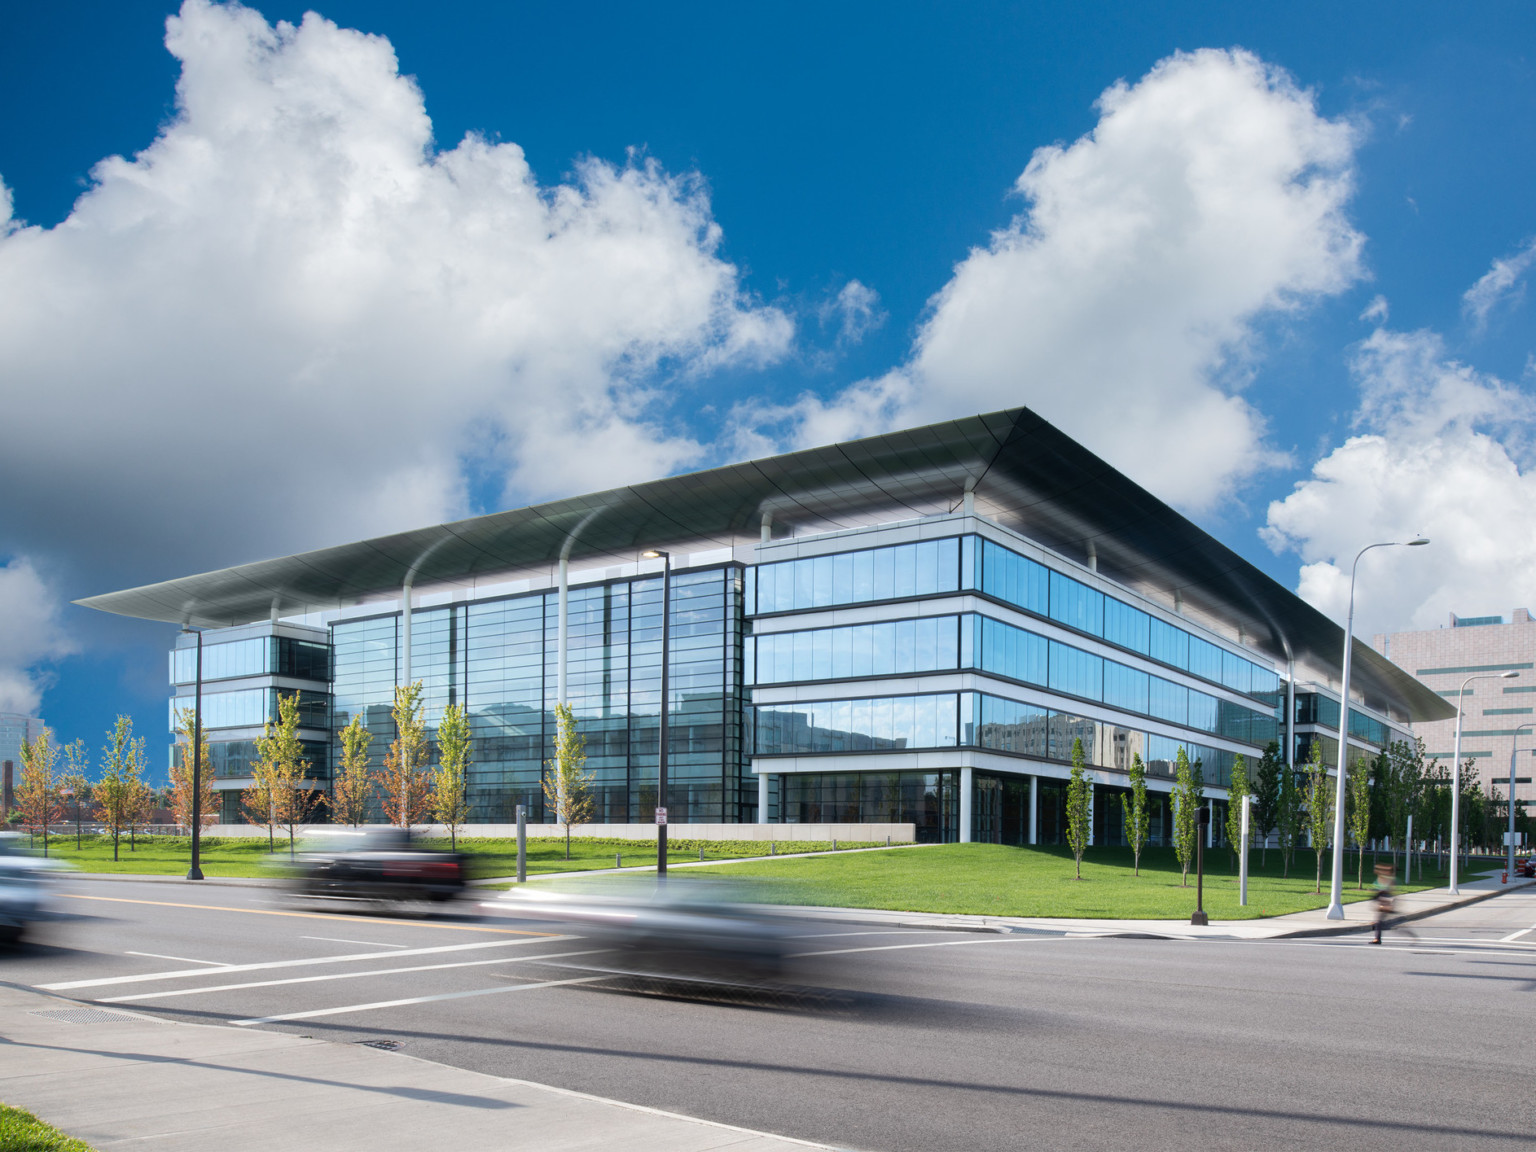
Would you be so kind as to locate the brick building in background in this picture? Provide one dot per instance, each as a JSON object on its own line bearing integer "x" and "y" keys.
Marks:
{"x": 1494, "y": 709}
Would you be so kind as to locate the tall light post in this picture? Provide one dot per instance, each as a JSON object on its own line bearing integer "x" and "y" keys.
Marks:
{"x": 195, "y": 872}
{"x": 1514, "y": 751}
{"x": 1336, "y": 891}
{"x": 661, "y": 759}
{"x": 1456, "y": 772}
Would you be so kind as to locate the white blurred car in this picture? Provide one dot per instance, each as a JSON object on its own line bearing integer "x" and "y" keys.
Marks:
{"x": 24, "y": 886}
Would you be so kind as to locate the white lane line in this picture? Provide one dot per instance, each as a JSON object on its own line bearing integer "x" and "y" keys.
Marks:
{"x": 344, "y": 940}
{"x": 182, "y": 959}
{"x": 413, "y": 1000}
{"x": 930, "y": 944}
{"x": 338, "y": 976}
{"x": 871, "y": 932}
{"x": 351, "y": 958}
{"x": 1516, "y": 935}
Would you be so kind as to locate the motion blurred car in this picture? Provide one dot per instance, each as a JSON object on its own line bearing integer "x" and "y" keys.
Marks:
{"x": 693, "y": 935}
{"x": 1525, "y": 866}
{"x": 24, "y": 878}
{"x": 378, "y": 864}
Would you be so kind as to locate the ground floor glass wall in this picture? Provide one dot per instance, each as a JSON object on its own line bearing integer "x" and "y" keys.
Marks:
{"x": 929, "y": 800}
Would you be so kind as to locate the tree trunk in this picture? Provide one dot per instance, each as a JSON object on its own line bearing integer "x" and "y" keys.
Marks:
{"x": 115, "y": 835}
{"x": 567, "y": 841}
{"x": 1138, "y": 861}
{"x": 1318, "y": 891}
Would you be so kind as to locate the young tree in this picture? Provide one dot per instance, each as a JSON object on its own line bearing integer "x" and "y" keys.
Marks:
{"x": 38, "y": 796}
{"x": 1265, "y": 808}
{"x": 120, "y": 791}
{"x": 1359, "y": 813}
{"x": 1288, "y": 821}
{"x": 567, "y": 783}
{"x": 258, "y": 803}
{"x": 404, "y": 789}
{"x": 1078, "y": 791}
{"x": 285, "y": 769}
{"x": 353, "y": 786}
{"x": 1188, "y": 789}
{"x": 450, "y": 789}
{"x": 181, "y": 791}
{"x": 77, "y": 784}
{"x": 1236, "y": 790}
{"x": 1405, "y": 782}
{"x": 1137, "y": 816}
{"x": 1319, "y": 799}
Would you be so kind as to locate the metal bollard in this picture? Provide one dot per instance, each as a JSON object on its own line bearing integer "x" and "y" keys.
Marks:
{"x": 618, "y": 859}
{"x": 834, "y": 843}
{"x": 701, "y": 853}
{"x": 770, "y": 847}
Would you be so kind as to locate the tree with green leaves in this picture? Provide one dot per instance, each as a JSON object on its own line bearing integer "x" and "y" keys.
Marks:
{"x": 1077, "y": 806}
{"x": 1358, "y": 814}
{"x": 1405, "y": 782}
{"x": 1236, "y": 790}
{"x": 1138, "y": 817}
{"x": 567, "y": 783}
{"x": 1319, "y": 801}
{"x": 38, "y": 795}
{"x": 1188, "y": 790}
{"x": 353, "y": 786}
{"x": 1265, "y": 807}
{"x": 281, "y": 757}
{"x": 120, "y": 791}
{"x": 76, "y": 785}
{"x": 450, "y": 788}
{"x": 1288, "y": 823}
{"x": 181, "y": 792}
{"x": 404, "y": 787}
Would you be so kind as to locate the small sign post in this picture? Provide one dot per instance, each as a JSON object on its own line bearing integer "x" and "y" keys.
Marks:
{"x": 1242, "y": 882}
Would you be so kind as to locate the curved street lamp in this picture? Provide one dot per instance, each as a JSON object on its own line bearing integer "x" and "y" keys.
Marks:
{"x": 1336, "y": 891}
{"x": 1456, "y": 773}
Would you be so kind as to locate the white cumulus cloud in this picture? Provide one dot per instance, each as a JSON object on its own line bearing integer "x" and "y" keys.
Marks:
{"x": 1122, "y": 304}
{"x": 30, "y": 635}
{"x": 1503, "y": 283}
{"x": 291, "y": 317}
{"x": 1443, "y": 451}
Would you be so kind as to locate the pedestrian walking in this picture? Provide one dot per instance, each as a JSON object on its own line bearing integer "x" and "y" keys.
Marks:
{"x": 1385, "y": 875}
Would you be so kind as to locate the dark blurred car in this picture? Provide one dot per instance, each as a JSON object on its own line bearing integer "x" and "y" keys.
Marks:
{"x": 24, "y": 879}
{"x": 379, "y": 864}
{"x": 1525, "y": 866}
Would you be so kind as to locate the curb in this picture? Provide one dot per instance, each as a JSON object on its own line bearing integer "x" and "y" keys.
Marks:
{"x": 156, "y": 878}
{"x": 1406, "y": 917}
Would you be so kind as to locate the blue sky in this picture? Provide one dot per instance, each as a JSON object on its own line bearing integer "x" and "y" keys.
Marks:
{"x": 870, "y": 143}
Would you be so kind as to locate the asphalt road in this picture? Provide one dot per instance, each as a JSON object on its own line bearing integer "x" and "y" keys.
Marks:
{"x": 952, "y": 1040}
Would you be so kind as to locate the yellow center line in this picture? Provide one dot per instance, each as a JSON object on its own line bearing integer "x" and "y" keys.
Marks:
{"x": 309, "y": 915}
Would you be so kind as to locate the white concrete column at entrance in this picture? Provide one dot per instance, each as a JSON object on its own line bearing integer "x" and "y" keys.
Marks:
{"x": 1034, "y": 809}
{"x": 967, "y": 788}
{"x": 762, "y": 797}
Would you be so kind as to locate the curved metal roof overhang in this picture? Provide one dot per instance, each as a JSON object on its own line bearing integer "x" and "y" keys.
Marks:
{"x": 1024, "y": 473}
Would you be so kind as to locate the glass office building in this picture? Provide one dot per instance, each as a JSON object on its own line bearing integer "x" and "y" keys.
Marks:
{"x": 914, "y": 629}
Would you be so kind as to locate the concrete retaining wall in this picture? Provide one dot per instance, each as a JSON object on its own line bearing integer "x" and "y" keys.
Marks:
{"x": 898, "y": 833}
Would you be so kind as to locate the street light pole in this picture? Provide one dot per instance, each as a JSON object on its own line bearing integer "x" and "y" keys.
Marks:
{"x": 1514, "y": 751}
{"x": 1455, "y": 888}
{"x": 661, "y": 759}
{"x": 195, "y": 872}
{"x": 1336, "y": 891}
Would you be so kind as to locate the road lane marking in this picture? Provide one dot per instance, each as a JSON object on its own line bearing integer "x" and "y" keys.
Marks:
{"x": 310, "y": 1015}
{"x": 338, "y": 976}
{"x": 309, "y": 915}
{"x": 344, "y": 940}
{"x": 930, "y": 944}
{"x": 183, "y": 959}
{"x": 350, "y": 958}
{"x": 1516, "y": 935}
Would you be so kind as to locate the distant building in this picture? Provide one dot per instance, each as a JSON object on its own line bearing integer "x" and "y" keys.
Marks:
{"x": 1496, "y": 712}
{"x": 14, "y": 728}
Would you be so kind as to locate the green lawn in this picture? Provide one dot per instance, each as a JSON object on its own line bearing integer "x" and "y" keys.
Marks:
{"x": 242, "y": 856}
{"x": 990, "y": 879}
{"x": 23, "y": 1132}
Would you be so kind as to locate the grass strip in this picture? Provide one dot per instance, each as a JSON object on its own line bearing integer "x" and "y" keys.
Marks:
{"x": 23, "y": 1132}
{"x": 996, "y": 880}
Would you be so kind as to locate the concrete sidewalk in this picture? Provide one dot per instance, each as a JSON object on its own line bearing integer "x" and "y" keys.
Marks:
{"x": 122, "y": 1080}
{"x": 1357, "y": 918}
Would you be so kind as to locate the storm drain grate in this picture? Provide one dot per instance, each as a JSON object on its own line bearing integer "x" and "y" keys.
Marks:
{"x": 385, "y": 1045}
{"x": 86, "y": 1015}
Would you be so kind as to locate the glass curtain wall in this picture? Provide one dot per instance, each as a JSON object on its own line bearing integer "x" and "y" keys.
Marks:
{"x": 498, "y": 658}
